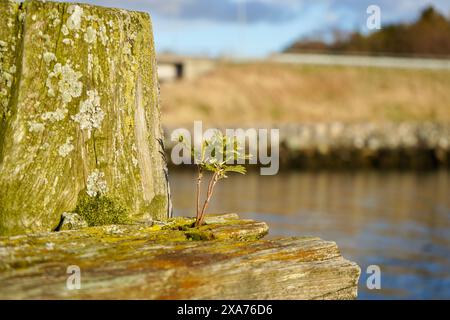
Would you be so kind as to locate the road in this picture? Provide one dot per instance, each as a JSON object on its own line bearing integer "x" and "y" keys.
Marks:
{"x": 362, "y": 61}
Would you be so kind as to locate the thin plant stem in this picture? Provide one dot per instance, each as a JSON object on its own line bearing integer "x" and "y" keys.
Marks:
{"x": 211, "y": 185}
{"x": 199, "y": 184}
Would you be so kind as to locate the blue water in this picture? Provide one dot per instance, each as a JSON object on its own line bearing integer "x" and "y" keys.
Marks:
{"x": 399, "y": 221}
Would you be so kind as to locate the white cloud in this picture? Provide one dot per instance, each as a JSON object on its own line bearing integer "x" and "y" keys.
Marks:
{"x": 272, "y": 11}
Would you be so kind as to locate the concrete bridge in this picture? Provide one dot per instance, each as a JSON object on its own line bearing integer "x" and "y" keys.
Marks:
{"x": 174, "y": 67}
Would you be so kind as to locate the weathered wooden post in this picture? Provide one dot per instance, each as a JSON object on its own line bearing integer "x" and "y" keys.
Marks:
{"x": 80, "y": 123}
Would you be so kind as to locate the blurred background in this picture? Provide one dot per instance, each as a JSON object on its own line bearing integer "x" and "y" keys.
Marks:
{"x": 364, "y": 118}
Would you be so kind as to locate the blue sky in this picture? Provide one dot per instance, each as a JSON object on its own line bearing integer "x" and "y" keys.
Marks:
{"x": 256, "y": 28}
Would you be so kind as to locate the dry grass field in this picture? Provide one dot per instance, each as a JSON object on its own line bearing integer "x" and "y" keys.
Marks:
{"x": 262, "y": 93}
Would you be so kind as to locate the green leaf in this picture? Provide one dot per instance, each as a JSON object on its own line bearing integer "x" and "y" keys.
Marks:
{"x": 237, "y": 169}
{"x": 209, "y": 167}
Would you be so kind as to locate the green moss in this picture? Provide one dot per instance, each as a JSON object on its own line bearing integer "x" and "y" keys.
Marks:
{"x": 186, "y": 225}
{"x": 77, "y": 57}
{"x": 179, "y": 223}
{"x": 158, "y": 205}
{"x": 196, "y": 234}
{"x": 101, "y": 210}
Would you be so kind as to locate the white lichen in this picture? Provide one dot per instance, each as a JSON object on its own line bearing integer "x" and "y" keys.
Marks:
{"x": 91, "y": 35}
{"x": 54, "y": 17}
{"x": 103, "y": 35}
{"x": 49, "y": 246}
{"x": 45, "y": 146}
{"x": 72, "y": 221}
{"x": 56, "y": 22}
{"x": 74, "y": 21}
{"x": 90, "y": 62}
{"x": 126, "y": 49}
{"x": 34, "y": 126}
{"x": 69, "y": 85}
{"x": 96, "y": 184}
{"x": 65, "y": 30}
{"x": 93, "y": 18}
{"x": 48, "y": 39}
{"x": 133, "y": 35}
{"x": 68, "y": 41}
{"x": 8, "y": 78}
{"x": 90, "y": 115}
{"x": 22, "y": 16}
{"x": 54, "y": 116}
{"x": 135, "y": 162}
{"x": 49, "y": 57}
{"x": 113, "y": 229}
{"x": 53, "y": 14}
{"x": 66, "y": 148}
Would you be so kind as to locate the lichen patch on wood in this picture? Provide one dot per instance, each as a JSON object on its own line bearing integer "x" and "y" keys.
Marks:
{"x": 78, "y": 93}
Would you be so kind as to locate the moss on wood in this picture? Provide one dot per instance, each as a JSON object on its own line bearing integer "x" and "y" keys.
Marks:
{"x": 140, "y": 261}
{"x": 101, "y": 210}
{"x": 82, "y": 102}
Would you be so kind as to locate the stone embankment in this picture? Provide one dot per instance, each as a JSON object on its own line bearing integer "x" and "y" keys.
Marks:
{"x": 361, "y": 145}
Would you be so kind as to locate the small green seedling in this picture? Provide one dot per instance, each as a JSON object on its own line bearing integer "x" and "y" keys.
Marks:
{"x": 219, "y": 156}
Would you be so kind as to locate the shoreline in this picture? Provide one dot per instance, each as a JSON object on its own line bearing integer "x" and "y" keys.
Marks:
{"x": 406, "y": 146}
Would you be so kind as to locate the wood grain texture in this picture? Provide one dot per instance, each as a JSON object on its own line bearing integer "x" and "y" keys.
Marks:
{"x": 83, "y": 99}
{"x": 141, "y": 262}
